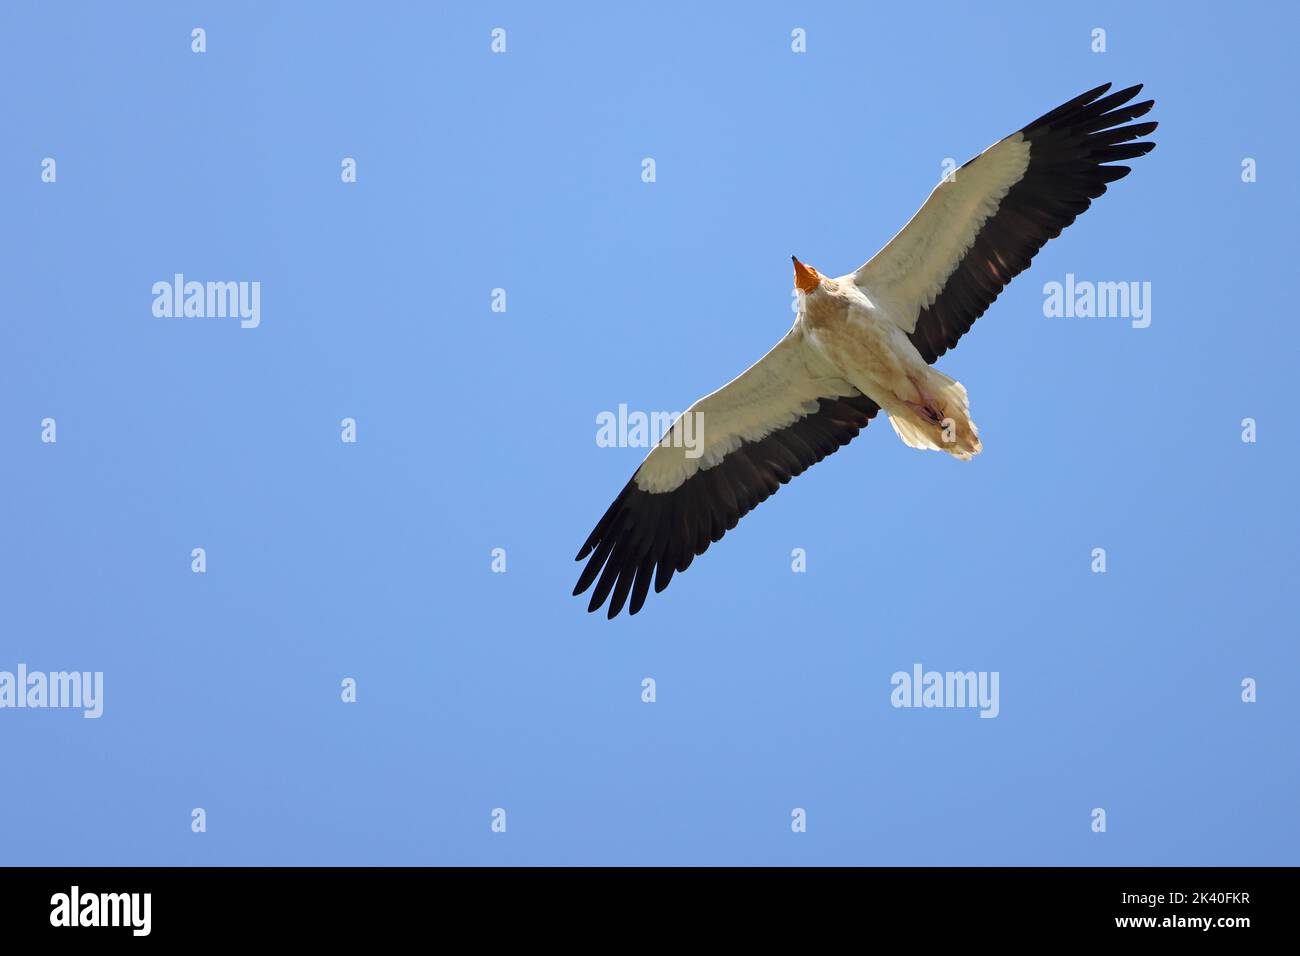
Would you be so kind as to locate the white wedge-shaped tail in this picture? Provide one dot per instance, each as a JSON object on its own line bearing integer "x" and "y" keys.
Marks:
{"x": 943, "y": 423}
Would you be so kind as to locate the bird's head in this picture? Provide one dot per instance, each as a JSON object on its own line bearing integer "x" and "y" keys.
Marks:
{"x": 806, "y": 278}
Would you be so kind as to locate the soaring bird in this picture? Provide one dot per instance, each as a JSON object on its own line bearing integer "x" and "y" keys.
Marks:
{"x": 863, "y": 342}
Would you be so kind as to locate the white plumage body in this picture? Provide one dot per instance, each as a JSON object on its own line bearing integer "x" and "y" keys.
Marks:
{"x": 869, "y": 349}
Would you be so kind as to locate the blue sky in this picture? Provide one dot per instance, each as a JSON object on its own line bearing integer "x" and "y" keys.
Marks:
{"x": 476, "y": 430}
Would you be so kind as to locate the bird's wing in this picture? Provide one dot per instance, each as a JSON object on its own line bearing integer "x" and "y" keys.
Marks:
{"x": 787, "y": 412}
{"x": 981, "y": 227}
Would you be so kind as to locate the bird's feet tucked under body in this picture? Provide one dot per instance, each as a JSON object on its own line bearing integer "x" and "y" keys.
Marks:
{"x": 938, "y": 418}
{"x": 928, "y": 409}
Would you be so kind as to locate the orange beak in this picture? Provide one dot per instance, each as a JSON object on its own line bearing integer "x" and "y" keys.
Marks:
{"x": 806, "y": 278}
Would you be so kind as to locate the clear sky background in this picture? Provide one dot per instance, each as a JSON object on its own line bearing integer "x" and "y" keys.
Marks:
{"x": 476, "y": 430}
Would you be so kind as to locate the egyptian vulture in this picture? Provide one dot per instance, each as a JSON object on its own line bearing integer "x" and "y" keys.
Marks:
{"x": 861, "y": 343}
